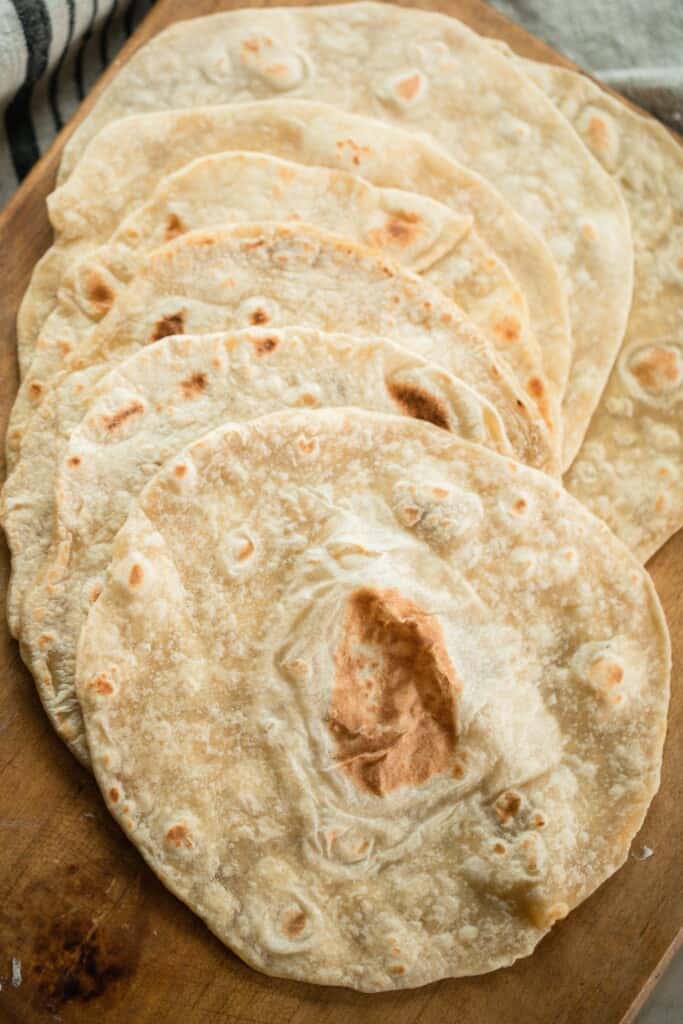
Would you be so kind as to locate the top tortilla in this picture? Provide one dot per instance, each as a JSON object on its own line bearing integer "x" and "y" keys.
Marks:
{"x": 397, "y": 707}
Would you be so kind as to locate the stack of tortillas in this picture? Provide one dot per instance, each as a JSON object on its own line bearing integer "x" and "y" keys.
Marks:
{"x": 339, "y": 298}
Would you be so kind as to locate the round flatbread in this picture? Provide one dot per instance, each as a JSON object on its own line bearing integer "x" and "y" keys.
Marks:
{"x": 396, "y": 708}
{"x": 146, "y": 410}
{"x": 419, "y": 233}
{"x": 428, "y": 73}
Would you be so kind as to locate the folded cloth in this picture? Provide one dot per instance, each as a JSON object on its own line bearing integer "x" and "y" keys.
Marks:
{"x": 635, "y": 46}
{"x": 51, "y": 53}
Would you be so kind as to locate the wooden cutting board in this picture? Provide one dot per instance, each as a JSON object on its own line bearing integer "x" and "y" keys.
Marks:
{"x": 87, "y": 933}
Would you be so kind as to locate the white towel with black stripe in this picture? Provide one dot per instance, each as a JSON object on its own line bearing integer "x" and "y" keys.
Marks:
{"x": 51, "y": 53}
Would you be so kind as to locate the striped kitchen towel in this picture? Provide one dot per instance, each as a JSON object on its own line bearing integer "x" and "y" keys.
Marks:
{"x": 51, "y": 52}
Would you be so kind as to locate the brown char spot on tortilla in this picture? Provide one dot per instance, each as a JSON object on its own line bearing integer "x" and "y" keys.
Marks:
{"x": 507, "y": 329}
{"x": 537, "y": 392}
{"x": 420, "y": 404}
{"x": 402, "y": 229}
{"x": 172, "y": 323}
{"x": 355, "y": 149}
{"x": 294, "y": 924}
{"x": 609, "y": 673}
{"x": 408, "y": 88}
{"x": 136, "y": 575}
{"x": 174, "y": 227}
{"x": 195, "y": 384}
{"x": 100, "y": 684}
{"x": 598, "y": 132}
{"x": 98, "y": 291}
{"x": 246, "y": 551}
{"x": 262, "y": 346}
{"x": 392, "y": 713}
{"x": 656, "y": 369}
{"x": 116, "y": 419}
{"x": 615, "y": 674}
{"x": 179, "y": 835}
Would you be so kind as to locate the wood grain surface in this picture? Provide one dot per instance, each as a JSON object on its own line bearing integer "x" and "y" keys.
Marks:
{"x": 96, "y": 935}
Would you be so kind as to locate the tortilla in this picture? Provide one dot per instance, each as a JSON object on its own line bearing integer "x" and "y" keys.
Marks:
{"x": 396, "y": 709}
{"x": 428, "y": 73}
{"x": 239, "y": 187}
{"x": 629, "y": 470}
{"x": 145, "y": 411}
{"x": 252, "y": 275}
